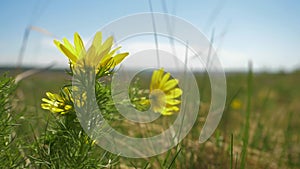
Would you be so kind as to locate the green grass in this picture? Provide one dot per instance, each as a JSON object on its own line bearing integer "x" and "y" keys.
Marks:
{"x": 247, "y": 121}
{"x": 268, "y": 127}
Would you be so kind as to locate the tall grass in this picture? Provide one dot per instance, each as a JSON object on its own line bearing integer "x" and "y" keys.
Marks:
{"x": 10, "y": 146}
{"x": 220, "y": 151}
{"x": 231, "y": 151}
{"x": 247, "y": 118}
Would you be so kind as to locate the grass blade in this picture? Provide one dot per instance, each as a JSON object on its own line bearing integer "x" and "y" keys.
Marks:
{"x": 247, "y": 124}
{"x": 231, "y": 152}
{"x": 173, "y": 160}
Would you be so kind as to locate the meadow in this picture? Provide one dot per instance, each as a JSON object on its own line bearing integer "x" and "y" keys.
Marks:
{"x": 259, "y": 128}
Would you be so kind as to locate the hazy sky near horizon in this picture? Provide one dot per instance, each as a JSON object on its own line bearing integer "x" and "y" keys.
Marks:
{"x": 265, "y": 32}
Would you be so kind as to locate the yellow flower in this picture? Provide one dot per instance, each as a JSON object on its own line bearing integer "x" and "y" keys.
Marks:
{"x": 56, "y": 103}
{"x": 236, "y": 104}
{"x": 164, "y": 93}
{"x": 98, "y": 55}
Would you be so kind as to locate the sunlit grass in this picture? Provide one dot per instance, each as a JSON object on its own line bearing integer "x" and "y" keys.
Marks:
{"x": 273, "y": 126}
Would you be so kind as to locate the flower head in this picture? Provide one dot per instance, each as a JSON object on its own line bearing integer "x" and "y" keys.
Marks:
{"x": 236, "y": 104}
{"x": 56, "y": 103}
{"x": 98, "y": 55}
{"x": 164, "y": 93}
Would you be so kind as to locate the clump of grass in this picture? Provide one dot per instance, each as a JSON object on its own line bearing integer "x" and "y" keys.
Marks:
{"x": 9, "y": 153}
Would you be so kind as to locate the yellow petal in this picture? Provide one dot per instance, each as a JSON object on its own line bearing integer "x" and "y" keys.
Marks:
{"x": 45, "y": 106}
{"x": 164, "y": 80}
{"x": 91, "y": 57}
{"x": 108, "y": 56}
{"x": 69, "y": 54}
{"x": 108, "y": 42}
{"x": 170, "y": 84}
{"x": 104, "y": 49}
{"x": 119, "y": 58}
{"x": 174, "y": 93}
{"x": 79, "y": 47}
{"x": 172, "y": 101}
{"x": 68, "y": 107}
{"x": 111, "y": 53}
{"x": 165, "y": 112}
{"x": 108, "y": 63}
{"x": 160, "y": 74}
{"x": 69, "y": 46}
{"x": 54, "y": 97}
{"x": 101, "y": 54}
{"x": 105, "y": 59}
{"x": 156, "y": 78}
{"x": 63, "y": 112}
{"x": 56, "y": 110}
{"x": 57, "y": 44}
{"x": 170, "y": 110}
{"x": 58, "y": 98}
{"x": 48, "y": 101}
{"x": 50, "y": 95}
{"x": 97, "y": 39}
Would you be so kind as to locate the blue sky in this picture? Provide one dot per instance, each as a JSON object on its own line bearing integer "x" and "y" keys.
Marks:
{"x": 265, "y": 32}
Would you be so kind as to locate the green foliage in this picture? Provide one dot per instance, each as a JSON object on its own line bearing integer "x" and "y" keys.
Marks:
{"x": 10, "y": 156}
{"x": 65, "y": 144}
{"x": 139, "y": 93}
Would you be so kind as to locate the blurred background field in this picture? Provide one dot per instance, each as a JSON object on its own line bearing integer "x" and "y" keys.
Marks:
{"x": 274, "y": 122}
